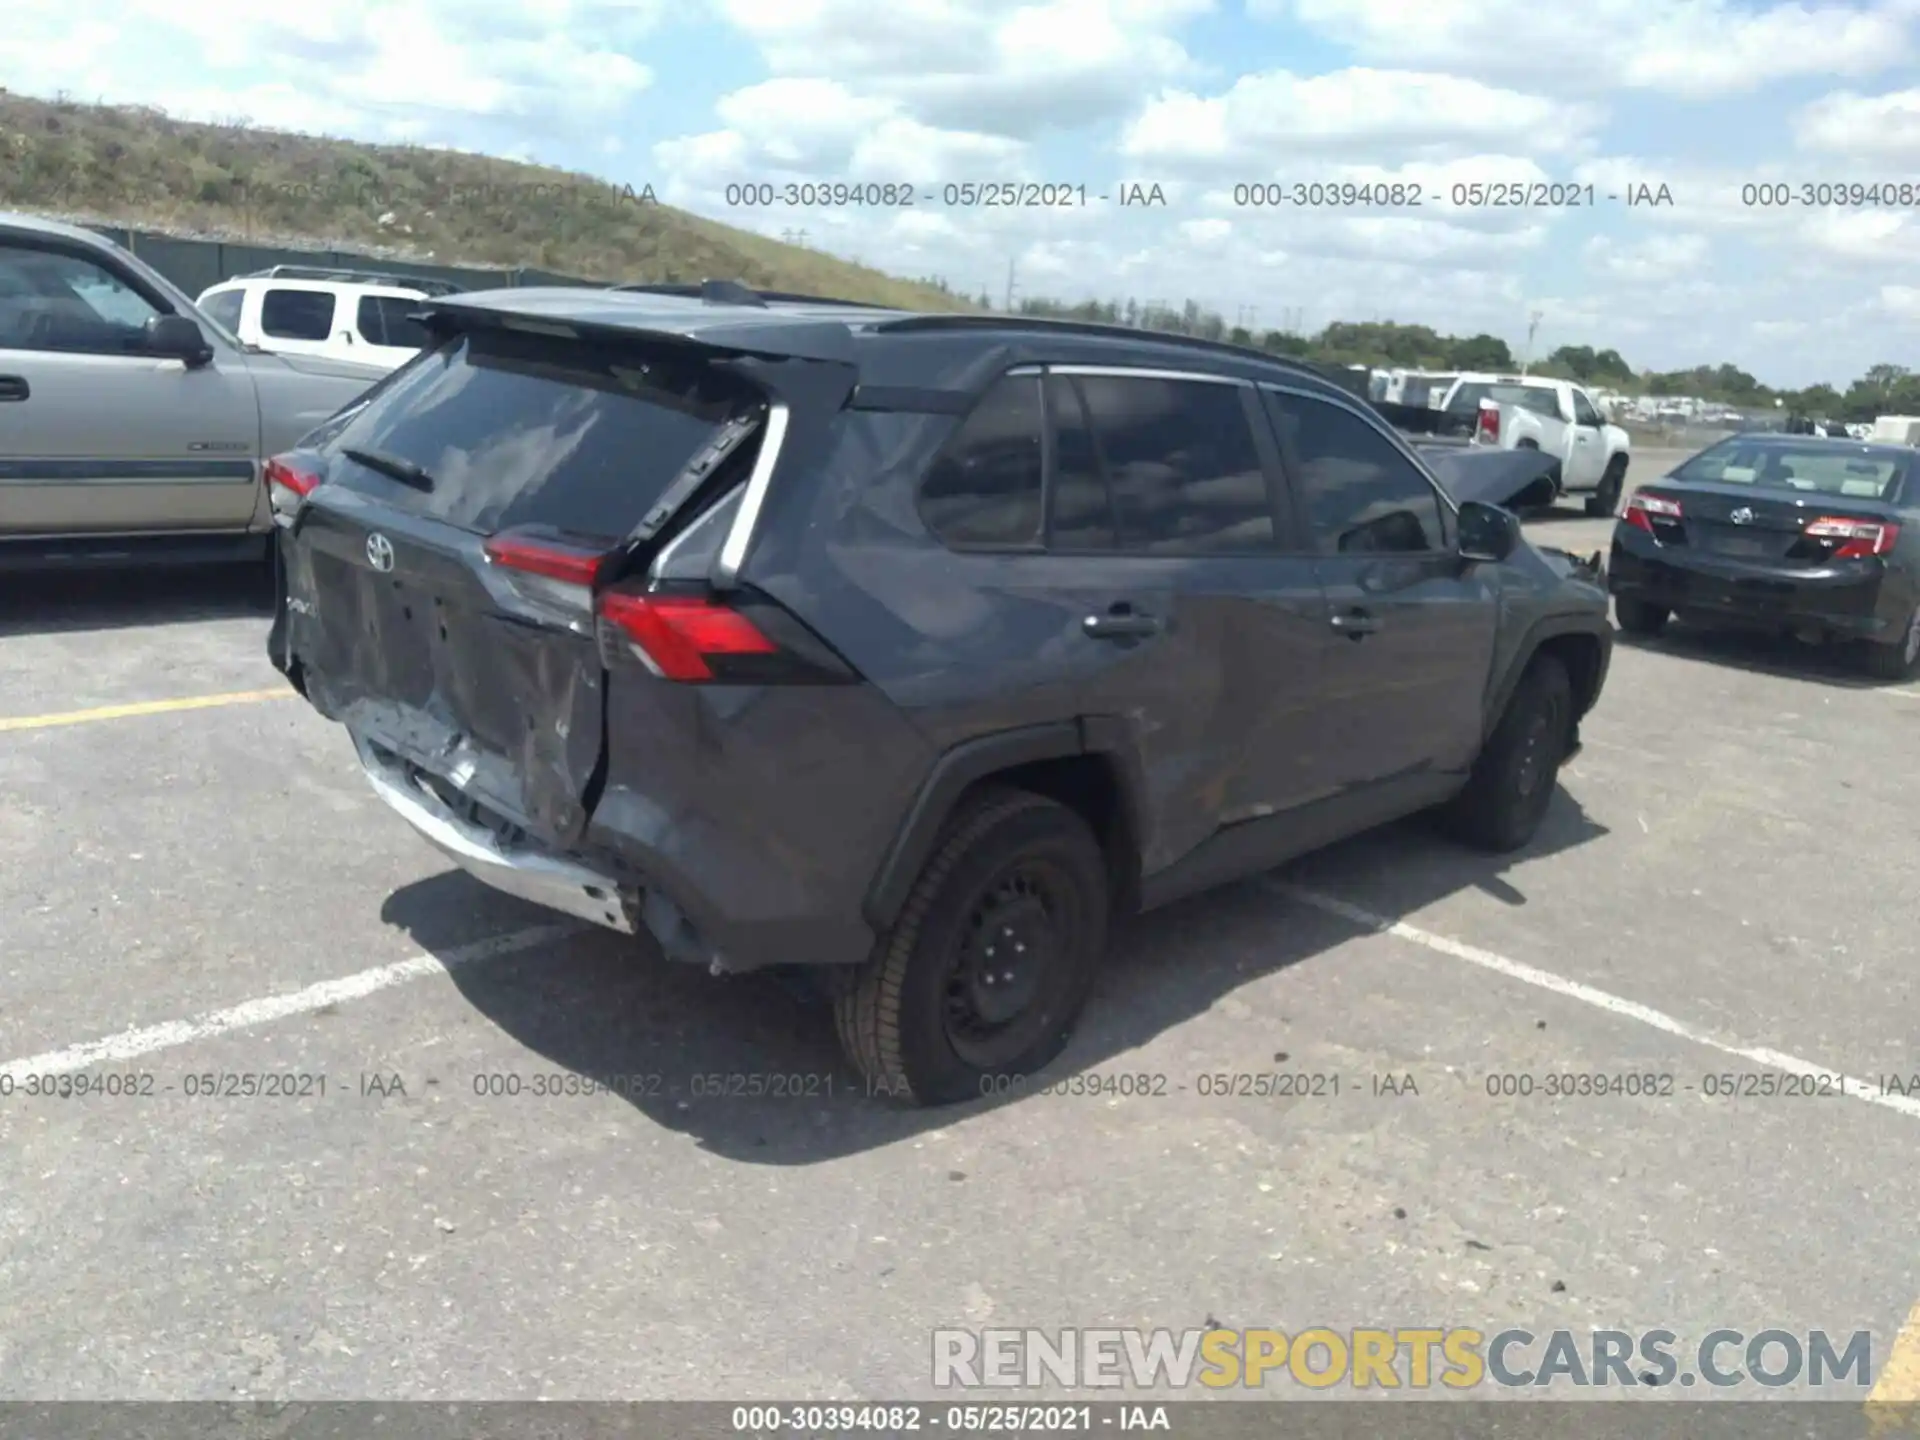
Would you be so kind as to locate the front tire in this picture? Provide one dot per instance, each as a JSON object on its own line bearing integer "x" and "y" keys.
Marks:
{"x": 986, "y": 971}
{"x": 1604, "y": 500}
{"x": 1513, "y": 780}
{"x": 1896, "y": 661}
{"x": 1639, "y": 617}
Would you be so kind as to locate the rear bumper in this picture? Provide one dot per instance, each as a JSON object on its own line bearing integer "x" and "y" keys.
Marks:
{"x": 523, "y": 869}
{"x": 1849, "y": 599}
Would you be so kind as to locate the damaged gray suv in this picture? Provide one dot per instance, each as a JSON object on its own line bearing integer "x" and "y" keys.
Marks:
{"x": 916, "y": 649}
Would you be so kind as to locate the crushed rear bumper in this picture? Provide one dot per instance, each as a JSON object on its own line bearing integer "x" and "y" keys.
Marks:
{"x": 519, "y": 867}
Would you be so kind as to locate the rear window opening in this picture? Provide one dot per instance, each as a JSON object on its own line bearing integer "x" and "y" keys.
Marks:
{"x": 523, "y": 430}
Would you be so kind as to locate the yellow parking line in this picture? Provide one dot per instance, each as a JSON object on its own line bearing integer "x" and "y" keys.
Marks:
{"x": 144, "y": 707}
{"x": 1893, "y": 1407}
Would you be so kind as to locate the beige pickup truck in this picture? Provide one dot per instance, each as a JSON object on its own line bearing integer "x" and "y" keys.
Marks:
{"x": 133, "y": 427}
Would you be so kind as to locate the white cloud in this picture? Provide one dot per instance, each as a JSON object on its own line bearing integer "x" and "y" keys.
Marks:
{"x": 1902, "y": 302}
{"x": 1260, "y": 123}
{"x": 1656, "y": 258}
{"x": 998, "y": 66}
{"x": 1684, "y": 47}
{"x": 1864, "y": 129}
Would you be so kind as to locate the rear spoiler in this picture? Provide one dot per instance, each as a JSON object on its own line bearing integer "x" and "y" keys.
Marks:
{"x": 615, "y": 317}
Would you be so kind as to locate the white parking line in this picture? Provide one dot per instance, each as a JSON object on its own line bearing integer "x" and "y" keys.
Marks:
{"x": 144, "y": 1041}
{"x": 1600, "y": 999}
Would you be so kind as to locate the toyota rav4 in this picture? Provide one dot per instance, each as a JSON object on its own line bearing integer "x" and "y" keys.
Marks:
{"x": 916, "y": 649}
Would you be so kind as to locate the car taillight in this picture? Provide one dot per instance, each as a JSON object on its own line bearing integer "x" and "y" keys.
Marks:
{"x": 552, "y": 569}
{"x": 1859, "y": 539}
{"x": 1487, "y": 427}
{"x": 1643, "y": 509}
{"x": 684, "y": 637}
{"x": 289, "y": 483}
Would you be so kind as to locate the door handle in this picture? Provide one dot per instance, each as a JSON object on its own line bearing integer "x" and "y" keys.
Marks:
{"x": 1121, "y": 622}
{"x": 14, "y": 387}
{"x": 1355, "y": 624}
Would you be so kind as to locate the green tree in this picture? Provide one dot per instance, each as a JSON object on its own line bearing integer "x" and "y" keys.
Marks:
{"x": 1480, "y": 352}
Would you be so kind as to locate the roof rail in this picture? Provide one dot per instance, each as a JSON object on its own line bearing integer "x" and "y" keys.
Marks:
{"x": 732, "y": 292}
{"x": 1140, "y": 336}
{"x": 350, "y": 276}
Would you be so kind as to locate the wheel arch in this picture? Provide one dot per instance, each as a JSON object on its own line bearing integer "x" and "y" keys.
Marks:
{"x": 1088, "y": 765}
{"x": 1578, "y": 642}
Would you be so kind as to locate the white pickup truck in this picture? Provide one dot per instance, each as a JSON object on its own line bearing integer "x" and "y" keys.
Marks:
{"x": 1556, "y": 416}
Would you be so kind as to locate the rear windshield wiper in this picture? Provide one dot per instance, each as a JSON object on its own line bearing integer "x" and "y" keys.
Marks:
{"x": 392, "y": 466}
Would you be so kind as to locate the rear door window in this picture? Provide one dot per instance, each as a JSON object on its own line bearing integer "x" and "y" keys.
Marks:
{"x": 297, "y": 314}
{"x": 388, "y": 320}
{"x": 519, "y": 430}
{"x": 1182, "y": 464}
{"x": 984, "y": 489}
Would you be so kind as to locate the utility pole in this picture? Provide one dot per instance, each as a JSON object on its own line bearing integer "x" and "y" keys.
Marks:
{"x": 1009, "y": 304}
{"x": 1533, "y": 325}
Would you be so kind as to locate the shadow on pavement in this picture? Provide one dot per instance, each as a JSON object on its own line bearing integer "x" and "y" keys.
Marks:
{"x": 1760, "y": 653}
{"x": 52, "y": 603}
{"x": 612, "y": 1009}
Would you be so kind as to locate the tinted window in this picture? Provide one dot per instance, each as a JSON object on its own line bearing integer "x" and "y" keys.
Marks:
{"x": 1362, "y": 494}
{"x": 224, "y": 309}
{"x": 54, "y": 301}
{"x": 985, "y": 487}
{"x": 1853, "y": 472}
{"x": 519, "y": 430}
{"x": 1180, "y": 457}
{"x": 297, "y": 314}
{"x": 1082, "y": 508}
{"x": 388, "y": 320}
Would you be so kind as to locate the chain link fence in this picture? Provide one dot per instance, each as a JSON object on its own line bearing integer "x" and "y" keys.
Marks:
{"x": 193, "y": 265}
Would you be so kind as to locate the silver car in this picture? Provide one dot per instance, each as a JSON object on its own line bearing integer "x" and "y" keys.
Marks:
{"x": 133, "y": 426}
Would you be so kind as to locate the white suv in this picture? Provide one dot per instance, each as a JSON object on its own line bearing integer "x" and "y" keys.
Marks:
{"x": 348, "y": 315}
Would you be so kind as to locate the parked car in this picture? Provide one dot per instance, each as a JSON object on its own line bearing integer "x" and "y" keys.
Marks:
{"x": 1553, "y": 416}
{"x": 916, "y": 649}
{"x": 132, "y": 426}
{"x": 347, "y": 314}
{"x": 1800, "y": 535}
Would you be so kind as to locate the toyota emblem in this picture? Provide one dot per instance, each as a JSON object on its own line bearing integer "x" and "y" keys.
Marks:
{"x": 1742, "y": 516}
{"x": 379, "y": 551}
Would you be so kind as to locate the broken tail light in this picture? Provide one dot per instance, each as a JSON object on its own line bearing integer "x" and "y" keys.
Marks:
{"x": 1486, "y": 429}
{"x": 1856, "y": 539}
{"x": 551, "y": 569}
{"x": 1643, "y": 509}
{"x": 289, "y": 482}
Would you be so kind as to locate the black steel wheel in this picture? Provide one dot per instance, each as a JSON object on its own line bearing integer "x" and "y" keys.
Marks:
{"x": 988, "y": 968}
{"x": 1512, "y": 783}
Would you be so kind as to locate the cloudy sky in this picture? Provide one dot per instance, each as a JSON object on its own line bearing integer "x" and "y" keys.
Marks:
{"x": 1199, "y": 97}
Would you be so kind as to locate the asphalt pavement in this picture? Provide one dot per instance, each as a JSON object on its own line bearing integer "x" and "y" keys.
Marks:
{"x": 200, "y": 893}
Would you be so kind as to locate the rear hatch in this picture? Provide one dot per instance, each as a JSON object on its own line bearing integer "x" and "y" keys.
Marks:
{"x": 440, "y": 571}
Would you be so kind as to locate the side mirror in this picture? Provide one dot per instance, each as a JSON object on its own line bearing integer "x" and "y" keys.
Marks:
{"x": 177, "y": 338}
{"x": 1487, "y": 533}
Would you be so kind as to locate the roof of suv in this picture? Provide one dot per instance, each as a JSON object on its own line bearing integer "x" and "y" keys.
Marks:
{"x": 806, "y": 327}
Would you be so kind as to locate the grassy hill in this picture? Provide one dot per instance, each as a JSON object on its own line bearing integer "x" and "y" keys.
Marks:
{"x": 139, "y": 167}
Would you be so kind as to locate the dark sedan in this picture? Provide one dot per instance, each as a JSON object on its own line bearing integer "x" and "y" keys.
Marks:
{"x": 1813, "y": 537}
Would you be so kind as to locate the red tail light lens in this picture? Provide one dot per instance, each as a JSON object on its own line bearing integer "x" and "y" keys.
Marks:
{"x": 1859, "y": 539}
{"x": 289, "y": 483}
{"x": 1643, "y": 509}
{"x": 1487, "y": 427}
{"x": 551, "y": 569}
{"x": 678, "y": 636}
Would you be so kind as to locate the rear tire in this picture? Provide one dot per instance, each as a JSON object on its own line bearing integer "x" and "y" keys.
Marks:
{"x": 1513, "y": 780}
{"x": 1639, "y": 617}
{"x": 944, "y": 1009}
{"x": 1607, "y": 497}
{"x": 1898, "y": 660}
